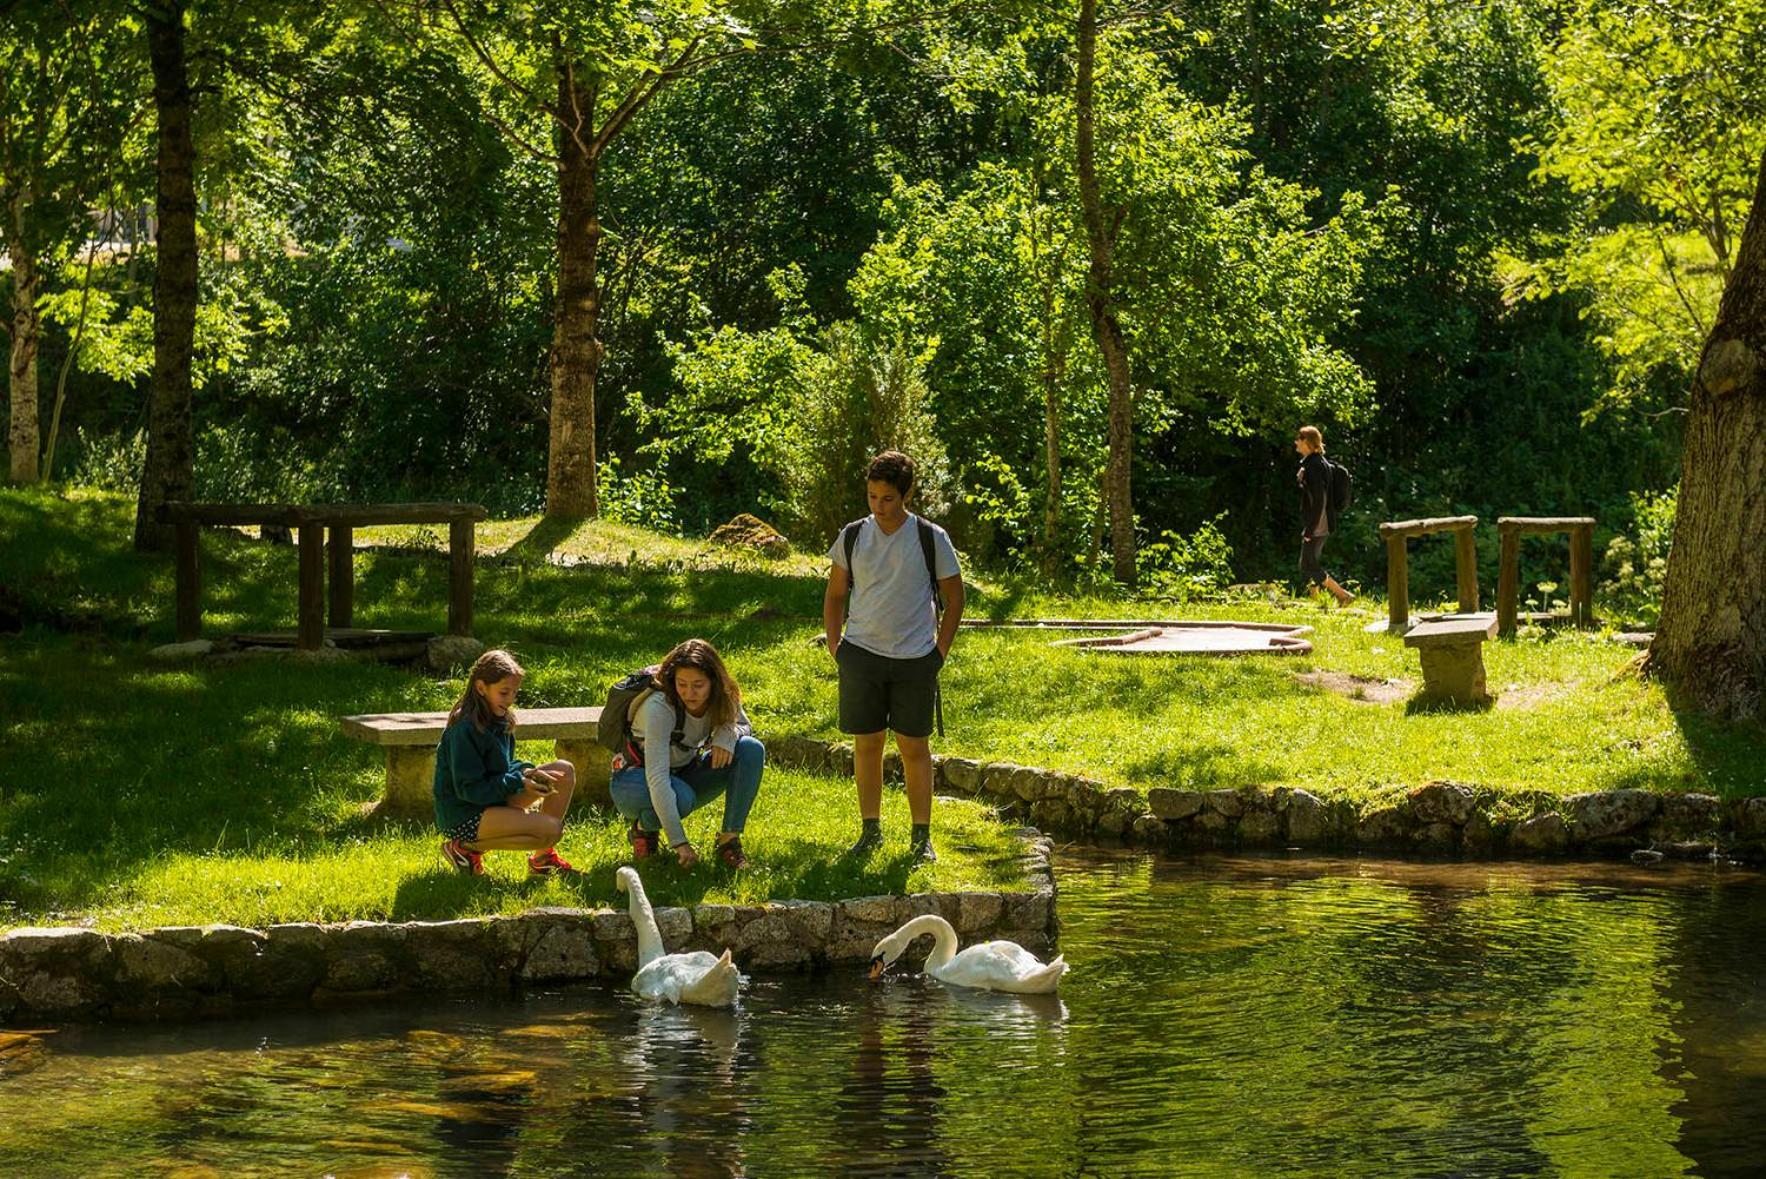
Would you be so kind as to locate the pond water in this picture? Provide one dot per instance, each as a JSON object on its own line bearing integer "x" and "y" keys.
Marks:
{"x": 1224, "y": 1016}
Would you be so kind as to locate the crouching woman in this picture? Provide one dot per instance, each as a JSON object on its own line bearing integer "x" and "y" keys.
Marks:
{"x": 688, "y": 741}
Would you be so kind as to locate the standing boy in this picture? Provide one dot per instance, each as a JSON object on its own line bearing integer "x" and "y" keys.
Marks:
{"x": 895, "y": 567}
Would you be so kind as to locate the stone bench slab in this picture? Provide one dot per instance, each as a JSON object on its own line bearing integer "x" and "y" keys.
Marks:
{"x": 425, "y": 728}
{"x": 1452, "y": 630}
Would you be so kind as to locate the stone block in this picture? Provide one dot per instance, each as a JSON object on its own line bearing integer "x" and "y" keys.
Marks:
{"x": 1148, "y": 830}
{"x": 1749, "y": 817}
{"x": 1454, "y": 674}
{"x": 1606, "y": 813}
{"x": 445, "y": 653}
{"x": 1260, "y": 827}
{"x": 60, "y": 972}
{"x": 181, "y": 652}
{"x": 551, "y": 945}
{"x": 811, "y": 921}
{"x": 978, "y": 912}
{"x": 1174, "y": 805}
{"x": 1542, "y": 833}
{"x": 1442, "y": 802}
{"x": 1225, "y": 802}
{"x": 961, "y": 775}
{"x": 365, "y": 956}
{"x": 1384, "y": 825}
{"x": 996, "y": 779}
{"x": 1438, "y": 836}
{"x": 454, "y": 955}
{"x": 152, "y": 968}
{"x": 883, "y": 910}
{"x": 1309, "y": 821}
{"x": 1688, "y": 817}
{"x": 1478, "y": 834}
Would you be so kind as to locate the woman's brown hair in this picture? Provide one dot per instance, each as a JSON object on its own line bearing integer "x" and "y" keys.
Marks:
{"x": 1312, "y": 437}
{"x": 726, "y": 697}
{"x": 493, "y": 667}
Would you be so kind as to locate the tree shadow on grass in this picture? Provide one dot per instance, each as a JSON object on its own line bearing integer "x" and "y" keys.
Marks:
{"x": 543, "y": 539}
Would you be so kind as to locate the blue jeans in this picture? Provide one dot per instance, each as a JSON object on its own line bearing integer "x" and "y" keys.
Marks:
{"x": 696, "y": 784}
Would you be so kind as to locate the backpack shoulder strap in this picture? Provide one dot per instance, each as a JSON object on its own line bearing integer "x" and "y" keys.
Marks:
{"x": 848, "y": 542}
{"x": 929, "y": 548}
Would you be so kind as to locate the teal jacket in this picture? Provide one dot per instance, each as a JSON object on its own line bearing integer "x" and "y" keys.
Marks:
{"x": 474, "y": 769}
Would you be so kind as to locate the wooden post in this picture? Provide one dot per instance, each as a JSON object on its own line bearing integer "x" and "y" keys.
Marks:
{"x": 1508, "y": 580}
{"x": 1465, "y": 566}
{"x": 1582, "y": 575}
{"x": 310, "y": 635}
{"x": 460, "y": 545}
{"x": 189, "y": 610}
{"x": 1397, "y": 586}
{"x": 341, "y": 579}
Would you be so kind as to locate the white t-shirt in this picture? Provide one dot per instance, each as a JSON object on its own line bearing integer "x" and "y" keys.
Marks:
{"x": 891, "y": 611}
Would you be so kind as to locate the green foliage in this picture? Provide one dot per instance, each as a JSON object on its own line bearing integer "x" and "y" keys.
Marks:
{"x": 1661, "y": 124}
{"x": 807, "y": 407}
{"x": 1636, "y": 562}
{"x": 1179, "y": 568}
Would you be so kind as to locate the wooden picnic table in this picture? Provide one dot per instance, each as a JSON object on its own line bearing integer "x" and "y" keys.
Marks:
{"x": 310, "y": 522}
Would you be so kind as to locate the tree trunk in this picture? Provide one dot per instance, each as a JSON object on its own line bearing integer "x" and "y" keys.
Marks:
{"x": 22, "y": 434}
{"x": 576, "y": 353}
{"x": 169, "y": 472}
{"x": 1711, "y": 643}
{"x": 1105, "y": 326}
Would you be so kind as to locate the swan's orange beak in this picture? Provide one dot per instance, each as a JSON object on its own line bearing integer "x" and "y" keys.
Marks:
{"x": 877, "y": 968}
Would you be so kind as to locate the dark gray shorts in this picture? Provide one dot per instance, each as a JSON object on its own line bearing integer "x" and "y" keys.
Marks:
{"x": 878, "y": 693}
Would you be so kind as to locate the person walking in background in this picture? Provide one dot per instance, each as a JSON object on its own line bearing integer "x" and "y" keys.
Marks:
{"x": 1317, "y": 516}
{"x": 894, "y": 567}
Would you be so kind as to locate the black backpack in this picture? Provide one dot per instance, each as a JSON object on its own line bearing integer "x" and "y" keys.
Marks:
{"x": 615, "y": 727}
{"x": 849, "y": 541}
{"x": 1342, "y": 488}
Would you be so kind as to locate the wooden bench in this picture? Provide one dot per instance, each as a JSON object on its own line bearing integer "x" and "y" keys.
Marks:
{"x": 1465, "y": 564}
{"x": 1451, "y": 647}
{"x": 311, "y": 521}
{"x": 1510, "y": 529}
{"x": 410, "y": 739}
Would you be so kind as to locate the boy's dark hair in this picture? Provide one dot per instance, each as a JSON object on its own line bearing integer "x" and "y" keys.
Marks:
{"x": 894, "y": 468}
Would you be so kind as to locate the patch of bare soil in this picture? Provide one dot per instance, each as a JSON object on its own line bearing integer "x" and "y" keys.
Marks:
{"x": 1358, "y": 687}
{"x": 1532, "y": 696}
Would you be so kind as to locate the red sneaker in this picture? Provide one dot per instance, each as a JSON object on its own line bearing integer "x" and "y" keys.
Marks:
{"x": 644, "y": 843}
{"x": 456, "y": 855}
{"x": 548, "y": 863}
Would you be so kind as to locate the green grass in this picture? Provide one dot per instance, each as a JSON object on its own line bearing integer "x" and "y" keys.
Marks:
{"x": 137, "y": 793}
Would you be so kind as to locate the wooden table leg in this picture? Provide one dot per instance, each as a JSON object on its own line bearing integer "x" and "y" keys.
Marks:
{"x": 1508, "y": 582}
{"x": 1582, "y": 576}
{"x": 189, "y": 608}
{"x": 460, "y": 546}
{"x": 310, "y": 630}
{"x": 1465, "y": 566}
{"x": 342, "y": 580}
{"x": 1397, "y": 586}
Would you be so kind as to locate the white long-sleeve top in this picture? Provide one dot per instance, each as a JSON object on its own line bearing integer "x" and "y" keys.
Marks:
{"x": 652, "y": 724}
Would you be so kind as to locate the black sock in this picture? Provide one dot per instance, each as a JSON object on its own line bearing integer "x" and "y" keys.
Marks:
{"x": 871, "y": 827}
{"x": 922, "y": 833}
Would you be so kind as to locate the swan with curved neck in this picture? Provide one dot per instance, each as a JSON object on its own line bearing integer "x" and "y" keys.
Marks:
{"x": 698, "y": 977}
{"x": 988, "y": 966}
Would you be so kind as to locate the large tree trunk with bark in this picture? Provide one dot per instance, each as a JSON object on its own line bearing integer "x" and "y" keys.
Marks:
{"x": 1105, "y": 326}
{"x": 169, "y": 472}
{"x": 1711, "y": 643}
{"x": 22, "y": 433}
{"x": 576, "y": 353}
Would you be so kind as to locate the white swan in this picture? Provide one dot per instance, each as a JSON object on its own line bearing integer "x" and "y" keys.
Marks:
{"x": 989, "y": 966}
{"x": 699, "y": 977}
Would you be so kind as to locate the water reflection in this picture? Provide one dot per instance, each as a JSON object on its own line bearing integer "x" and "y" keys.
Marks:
{"x": 1225, "y": 1015}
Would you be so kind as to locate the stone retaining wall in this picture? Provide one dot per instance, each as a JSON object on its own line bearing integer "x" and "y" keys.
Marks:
{"x": 71, "y": 973}
{"x": 1435, "y": 817}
